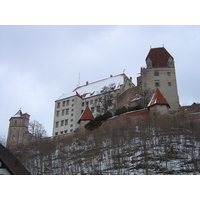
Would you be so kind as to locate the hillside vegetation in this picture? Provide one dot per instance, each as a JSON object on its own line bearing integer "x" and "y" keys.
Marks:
{"x": 159, "y": 145}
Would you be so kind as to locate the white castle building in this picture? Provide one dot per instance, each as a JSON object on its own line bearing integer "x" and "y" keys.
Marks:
{"x": 102, "y": 95}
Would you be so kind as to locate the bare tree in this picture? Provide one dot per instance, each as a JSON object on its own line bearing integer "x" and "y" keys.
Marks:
{"x": 146, "y": 96}
{"x": 3, "y": 140}
{"x": 37, "y": 129}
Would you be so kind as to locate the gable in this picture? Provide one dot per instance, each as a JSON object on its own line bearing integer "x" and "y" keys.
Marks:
{"x": 157, "y": 99}
{"x": 11, "y": 163}
{"x": 86, "y": 115}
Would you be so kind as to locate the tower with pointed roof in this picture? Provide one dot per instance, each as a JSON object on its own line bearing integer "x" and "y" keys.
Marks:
{"x": 160, "y": 73}
{"x": 86, "y": 117}
{"x": 17, "y": 128}
{"x": 158, "y": 104}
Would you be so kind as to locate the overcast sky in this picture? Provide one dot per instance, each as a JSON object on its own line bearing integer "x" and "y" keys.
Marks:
{"x": 40, "y": 63}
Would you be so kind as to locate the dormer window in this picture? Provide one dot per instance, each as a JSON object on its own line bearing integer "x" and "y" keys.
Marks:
{"x": 170, "y": 62}
{"x": 149, "y": 63}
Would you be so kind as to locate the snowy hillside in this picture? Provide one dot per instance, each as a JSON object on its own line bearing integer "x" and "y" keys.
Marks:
{"x": 151, "y": 148}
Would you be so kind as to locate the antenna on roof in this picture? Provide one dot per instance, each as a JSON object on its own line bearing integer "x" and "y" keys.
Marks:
{"x": 124, "y": 71}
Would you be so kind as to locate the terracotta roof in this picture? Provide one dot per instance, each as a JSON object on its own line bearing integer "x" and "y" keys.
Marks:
{"x": 11, "y": 163}
{"x": 157, "y": 99}
{"x": 86, "y": 115}
{"x": 159, "y": 57}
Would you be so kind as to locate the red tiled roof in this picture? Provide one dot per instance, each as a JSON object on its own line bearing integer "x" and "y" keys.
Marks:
{"x": 159, "y": 57}
{"x": 157, "y": 98}
{"x": 86, "y": 115}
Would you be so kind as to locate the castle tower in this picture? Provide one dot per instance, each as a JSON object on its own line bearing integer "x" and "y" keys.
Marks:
{"x": 160, "y": 73}
{"x": 86, "y": 117}
{"x": 18, "y": 126}
{"x": 158, "y": 103}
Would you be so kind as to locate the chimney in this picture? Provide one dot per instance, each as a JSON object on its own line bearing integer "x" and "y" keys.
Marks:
{"x": 130, "y": 78}
{"x": 87, "y": 83}
{"x": 111, "y": 75}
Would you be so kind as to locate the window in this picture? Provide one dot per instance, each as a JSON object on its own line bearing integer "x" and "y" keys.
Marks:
{"x": 91, "y": 102}
{"x": 67, "y": 102}
{"x": 13, "y": 137}
{"x": 71, "y": 125}
{"x": 61, "y": 132}
{"x": 72, "y": 105}
{"x": 58, "y": 105}
{"x": 98, "y": 108}
{"x": 157, "y": 84}
{"x": 57, "y": 113}
{"x": 57, "y": 124}
{"x": 67, "y": 111}
{"x": 62, "y": 122}
{"x": 96, "y": 100}
{"x": 82, "y": 104}
{"x": 87, "y": 103}
{"x": 63, "y": 112}
{"x": 72, "y": 120}
{"x": 65, "y": 131}
{"x": 63, "y": 103}
{"x": 72, "y": 114}
{"x": 168, "y": 73}
{"x": 15, "y": 123}
{"x": 144, "y": 74}
{"x": 169, "y": 84}
{"x": 56, "y": 133}
{"x": 92, "y": 109}
{"x": 72, "y": 100}
{"x": 109, "y": 102}
{"x": 145, "y": 84}
{"x": 72, "y": 110}
{"x": 66, "y": 122}
{"x": 156, "y": 73}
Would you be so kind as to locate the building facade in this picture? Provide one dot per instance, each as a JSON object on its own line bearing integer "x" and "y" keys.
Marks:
{"x": 17, "y": 129}
{"x": 100, "y": 96}
{"x": 160, "y": 73}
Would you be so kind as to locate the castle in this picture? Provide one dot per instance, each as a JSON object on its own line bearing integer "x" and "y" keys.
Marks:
{"x": 92, "y": 99}
{"x": 118, "y": 91}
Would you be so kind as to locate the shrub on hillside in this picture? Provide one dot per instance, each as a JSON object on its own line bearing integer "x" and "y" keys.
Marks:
{"x": 124, "y": 110}
{"x": 98, "y": 121}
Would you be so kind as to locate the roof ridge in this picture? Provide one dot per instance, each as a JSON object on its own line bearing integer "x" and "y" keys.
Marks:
{"x": 99, "y": 81}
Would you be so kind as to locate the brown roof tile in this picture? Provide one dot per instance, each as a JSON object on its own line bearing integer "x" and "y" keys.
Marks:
{"x": 157, "y": 98}
{"x": 86, "y": 115}
{"x": 159, "y": 57}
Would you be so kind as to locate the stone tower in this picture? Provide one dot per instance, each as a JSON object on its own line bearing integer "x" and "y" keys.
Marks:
{"x": 160, "y": 73}
{"x": 17, "y": 128}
